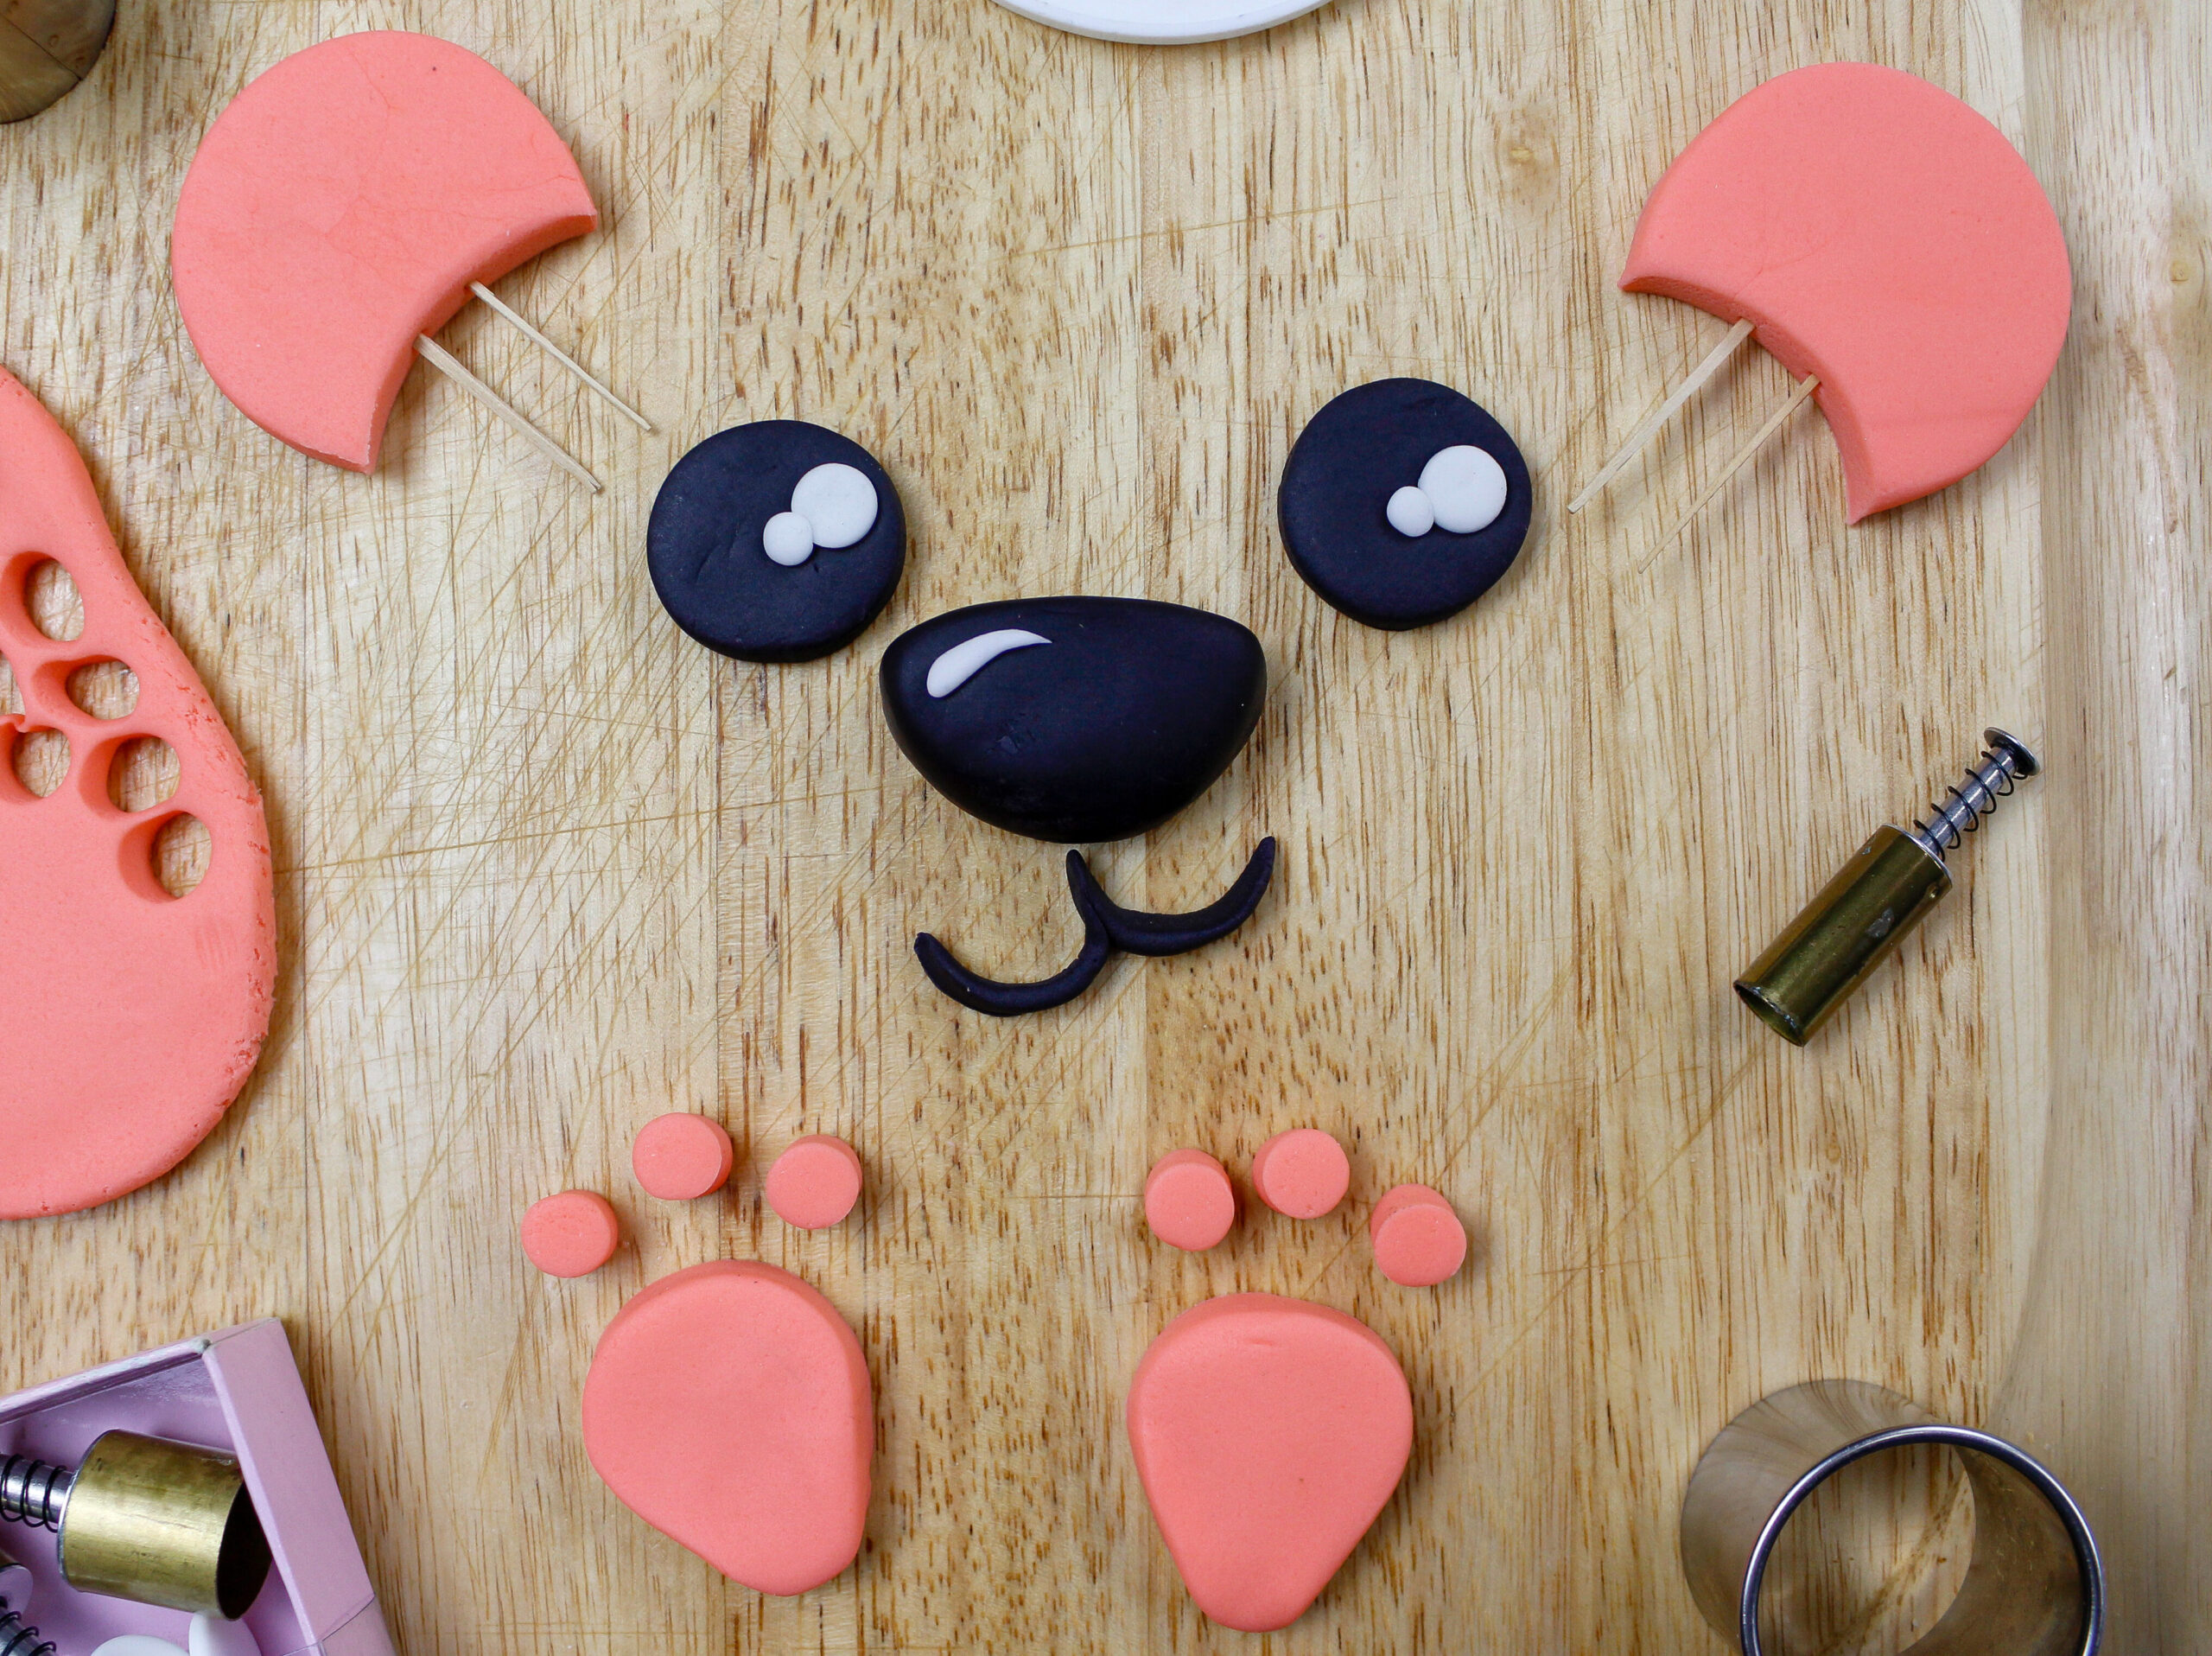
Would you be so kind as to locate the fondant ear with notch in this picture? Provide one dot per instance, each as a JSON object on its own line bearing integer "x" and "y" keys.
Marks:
{"x": 1885, "y": 239}
{"x": 339, "y": 207}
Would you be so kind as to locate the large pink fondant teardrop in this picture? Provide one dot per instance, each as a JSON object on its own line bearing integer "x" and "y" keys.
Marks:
{"x": 1268, "y": 1433}
{"x": 729, "y": 1406}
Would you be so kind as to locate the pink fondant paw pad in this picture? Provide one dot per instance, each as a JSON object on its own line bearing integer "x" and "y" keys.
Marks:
{"x": 1419, "y": 1240}
{"x": 139, "y": 1015}
{"x": 1268, "y": 1434}
{"x": 1301, "y": 1174}
{"x": 571, "y": 1234}
{"x": 729, "y": 1406}
{"x": 1189, "y": 1201}
{"x": 815, "y": 1182}
{"x": 681, "y": 1157}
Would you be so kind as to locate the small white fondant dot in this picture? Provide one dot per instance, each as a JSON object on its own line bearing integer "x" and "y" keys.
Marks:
{"x": 1410, "y": 513}
{"x": 839, "y": 501}
{"x": 788, "y": 540}
{"x": 1465, "y": 489}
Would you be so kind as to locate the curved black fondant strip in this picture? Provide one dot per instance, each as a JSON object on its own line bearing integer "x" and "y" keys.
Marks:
{"x": 1162, "y": 935}
{"x": 999, "y": 1000}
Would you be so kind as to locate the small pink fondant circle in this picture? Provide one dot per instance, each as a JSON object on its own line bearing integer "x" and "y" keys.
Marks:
{"x": 816, "y": 1182}
{"x": 681, "y": 1157}
{"x": 572, "y": 1234}
{"x": 1188, "y": 1201}
{"x": 1301, "y": 1174}
{"x": 1419, "y": 1240}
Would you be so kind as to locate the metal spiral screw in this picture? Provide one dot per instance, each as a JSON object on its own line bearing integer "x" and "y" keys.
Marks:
{"x": 1863, "y": 913}
{"x": 33, "y": 1492}
{"x": 18, "y": 1637}
{"x": 2004, "y": 763}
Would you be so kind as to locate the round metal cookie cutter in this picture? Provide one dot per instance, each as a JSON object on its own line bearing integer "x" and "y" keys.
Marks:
{"x": 1162, "y": 22}
{"x": 2035, "y": 1586}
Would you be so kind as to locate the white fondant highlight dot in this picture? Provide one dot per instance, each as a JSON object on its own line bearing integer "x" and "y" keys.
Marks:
{"x": 964, "y": 661}
{"x": 1410, "y": 513}
{"x": 788, "y": 540}
{"x": 1465, "y": 489}
{"x": 839, "y": 501}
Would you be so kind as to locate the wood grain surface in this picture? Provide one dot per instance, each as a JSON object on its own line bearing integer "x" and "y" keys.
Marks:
{"x": 547, "y": 870}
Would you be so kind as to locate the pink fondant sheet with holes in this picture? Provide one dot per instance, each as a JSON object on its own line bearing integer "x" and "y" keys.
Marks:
{"x": 135, "y": 1017}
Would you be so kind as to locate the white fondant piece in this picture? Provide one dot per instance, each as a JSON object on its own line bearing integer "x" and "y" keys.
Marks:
{"x": 964, "y": 661}
{"x": 839, "y": 501}
{"x": 1410, "y": 513}
{"x": 788, "y": 540}
{"x": 1465, "y": 489}
{"x": 138, "y": 1643}
{"x": 212, "y": 1636}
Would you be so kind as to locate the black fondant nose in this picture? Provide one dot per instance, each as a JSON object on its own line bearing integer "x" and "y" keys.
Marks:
{"x": 1125, "y": 714}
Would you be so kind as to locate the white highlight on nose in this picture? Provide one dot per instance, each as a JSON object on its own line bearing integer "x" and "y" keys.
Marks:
{"x": 964, "y": 661}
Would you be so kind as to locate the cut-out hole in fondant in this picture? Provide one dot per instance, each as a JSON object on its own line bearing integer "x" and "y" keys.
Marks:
{"x": 57, "y": 608}
{"x": 12, "y": 699}
{"x": 41, "y": 760}
{"x": 182, "y": 852}
{"x": 143, "y": 773}
{"x": 105, "y": 689}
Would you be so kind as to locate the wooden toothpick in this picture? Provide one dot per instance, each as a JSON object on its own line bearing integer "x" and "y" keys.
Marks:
{"x": 1742, "y": 458}
{"x": 556, "y": 353}
{"x": 450, "y": 366}
{"x": 1639, "y": 438}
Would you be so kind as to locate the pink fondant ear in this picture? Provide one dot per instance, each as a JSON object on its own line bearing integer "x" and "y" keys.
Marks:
{"x": 135, "y": 1017}
{"x": 1886, "y": 238}
{"x": 341, "y": 205}
{"x": 1268, "y": 1433}
{"x": 729, "y": 1406}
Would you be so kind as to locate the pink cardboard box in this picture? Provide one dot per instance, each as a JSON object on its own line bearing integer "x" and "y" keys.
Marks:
{"x": 237, "y": 1391}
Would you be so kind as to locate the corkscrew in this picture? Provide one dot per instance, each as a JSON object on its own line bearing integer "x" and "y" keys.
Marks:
{"x": 146, "y": 1520}
{"x": 1865, "y": 912}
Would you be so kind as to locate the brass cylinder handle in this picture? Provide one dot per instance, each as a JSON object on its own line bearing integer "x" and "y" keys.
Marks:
{"x": 149, "y": 1520}
{"x": 1805, "y": 976}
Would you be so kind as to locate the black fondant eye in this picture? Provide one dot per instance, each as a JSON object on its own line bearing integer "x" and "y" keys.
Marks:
{"x": 1403, "y": 502}
{"x": 1075, "y": 720}
{"x": 776, "y": 541}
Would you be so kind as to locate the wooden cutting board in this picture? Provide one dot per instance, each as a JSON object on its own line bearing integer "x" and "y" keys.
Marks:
{"x": 547, "y": 870}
